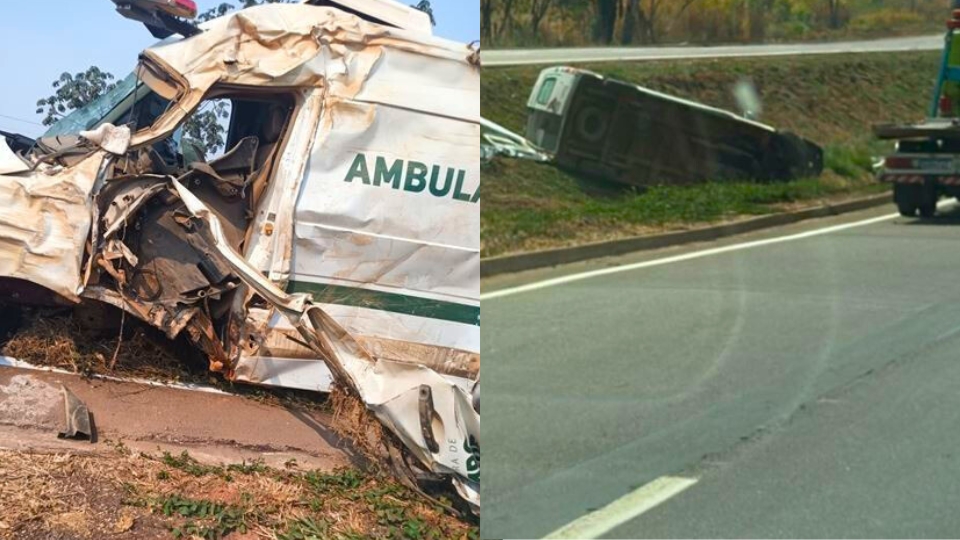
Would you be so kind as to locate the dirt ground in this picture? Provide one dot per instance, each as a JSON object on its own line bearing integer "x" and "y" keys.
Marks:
{"x": 128, "y": 495}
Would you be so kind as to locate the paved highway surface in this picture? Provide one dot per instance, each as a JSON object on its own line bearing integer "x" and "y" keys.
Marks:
{"x": 513, "y": 57}
{"x": 810, "y": 387}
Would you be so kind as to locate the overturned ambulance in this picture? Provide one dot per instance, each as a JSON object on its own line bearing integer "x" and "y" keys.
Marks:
{"x": 336, "y": 239}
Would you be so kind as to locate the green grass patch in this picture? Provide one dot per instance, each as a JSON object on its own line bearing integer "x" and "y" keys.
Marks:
{"x": 204, "y": 519}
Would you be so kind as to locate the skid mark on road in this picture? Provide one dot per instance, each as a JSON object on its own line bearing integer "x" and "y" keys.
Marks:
{"x": 599, "y": 522}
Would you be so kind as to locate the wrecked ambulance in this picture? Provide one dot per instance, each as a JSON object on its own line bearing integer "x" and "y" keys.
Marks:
{"x": 625, "y": 133}
{"x": 336, "y": 238}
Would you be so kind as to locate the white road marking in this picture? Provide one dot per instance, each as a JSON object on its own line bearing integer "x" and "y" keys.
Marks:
{"x": 563, "y": 280}
{"x": 645, "y": 498}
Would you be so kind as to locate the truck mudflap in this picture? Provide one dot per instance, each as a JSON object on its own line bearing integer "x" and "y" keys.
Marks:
{"x": 433, "y": 418}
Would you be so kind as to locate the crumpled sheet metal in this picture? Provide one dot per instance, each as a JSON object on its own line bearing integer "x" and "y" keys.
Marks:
{"x": 11, "y": 163}
{"x": 322, "y": 47}
{"x": 390, "y": 389}
{"x": 496, "y": 140}
{"x": 45, "y": 224}
{"x": 109, "y": 137}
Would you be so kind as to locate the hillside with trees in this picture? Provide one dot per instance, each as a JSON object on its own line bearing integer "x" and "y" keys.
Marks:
{"x": 549, "y": 23}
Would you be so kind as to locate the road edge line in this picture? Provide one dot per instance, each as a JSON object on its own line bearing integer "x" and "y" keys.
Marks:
{"x": 624, "y": 509}
{"x": 521, "y": 262}
{"x": 571, "y": 278}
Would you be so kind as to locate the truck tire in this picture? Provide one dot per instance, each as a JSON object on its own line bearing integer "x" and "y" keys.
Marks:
{"x": 907, "y": 209}
{"x": 907, "y": 197}
{"x": 928, "y": 199}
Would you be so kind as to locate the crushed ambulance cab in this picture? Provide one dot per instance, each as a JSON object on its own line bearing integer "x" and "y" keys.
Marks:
{"x": 336, "y": 238}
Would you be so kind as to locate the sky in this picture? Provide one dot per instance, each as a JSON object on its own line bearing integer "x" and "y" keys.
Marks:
{"x": 40, "y": 39}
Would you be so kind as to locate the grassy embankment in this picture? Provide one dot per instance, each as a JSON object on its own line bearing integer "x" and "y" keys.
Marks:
{"x": 833, "y": 100}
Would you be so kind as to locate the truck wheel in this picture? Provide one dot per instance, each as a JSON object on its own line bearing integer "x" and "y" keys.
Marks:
{"x": 908, "y": 198}
{"x": 907, "y": 208}
{"x": 928, "y": 199}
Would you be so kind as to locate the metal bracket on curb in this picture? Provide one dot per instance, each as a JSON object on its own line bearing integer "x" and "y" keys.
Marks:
{"x": 78, "y": 424}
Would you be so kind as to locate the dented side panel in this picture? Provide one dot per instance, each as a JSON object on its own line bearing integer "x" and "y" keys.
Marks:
{"x": 388, "y": 221}
{"x": 45, "y": 225}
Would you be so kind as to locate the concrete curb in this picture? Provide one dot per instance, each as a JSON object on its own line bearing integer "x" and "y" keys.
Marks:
{"x": 507, "y": 264}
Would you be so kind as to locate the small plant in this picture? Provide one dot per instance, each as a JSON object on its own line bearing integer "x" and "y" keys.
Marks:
{"x": 206, "y": 519}
{"x": 306, "y": 529}
{"x": 254, "y": 467}
{"x": 338, "y": 480}
{"x": 191, "y": 466}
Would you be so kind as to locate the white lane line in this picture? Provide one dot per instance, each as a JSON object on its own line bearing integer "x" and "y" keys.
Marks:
{"x": 563, "y": 280}
{"x": 597, "y": 523}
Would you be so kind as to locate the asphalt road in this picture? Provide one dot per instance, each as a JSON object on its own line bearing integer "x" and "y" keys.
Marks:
{"x": 812, "y": 387}
{"x": 513, "y": 57}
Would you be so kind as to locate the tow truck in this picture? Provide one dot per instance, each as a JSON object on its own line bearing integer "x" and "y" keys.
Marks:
{"x": 925, "y": 164}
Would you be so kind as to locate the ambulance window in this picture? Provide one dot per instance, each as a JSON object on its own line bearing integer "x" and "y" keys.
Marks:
{"x": 205, "y": 131}
{"x": 130, "y": 103}
{"x": 546, "y": 91}
{"x": 230, "y": 123}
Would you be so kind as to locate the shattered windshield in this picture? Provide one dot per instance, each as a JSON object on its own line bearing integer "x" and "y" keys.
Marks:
{"x": 116, "y": 107}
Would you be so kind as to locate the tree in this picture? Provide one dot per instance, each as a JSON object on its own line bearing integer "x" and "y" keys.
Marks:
{"x": 538, "y": 10}
{"x": 834, "y": 8}
{"x": 631, "y": 17}
{"x": 424, "y": 6}
{"x": 506, "y": 17}
{"x": 205, "y": 127}
{"x": 606, "y": 20}
{"x": 73, "y": 92}
{"x": 486, "y": 19}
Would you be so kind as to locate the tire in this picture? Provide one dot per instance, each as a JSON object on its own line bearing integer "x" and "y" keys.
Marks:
{"x": 792, "y": 157}
{"x": 907, "y": 209}
{"x": 928, "y": 200}
{"x": 592, "y": 123}
{"x": 909, "y": 198}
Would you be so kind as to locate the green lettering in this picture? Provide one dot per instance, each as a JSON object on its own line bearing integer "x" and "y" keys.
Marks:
{"x": 391, "y": 176}
{"x": 458, "y": 193}
{"x": 416, "y": 177}
{"x": 437, "y": 191}
{"x": 358, "y": 170}
{"x": 476, "y": 196}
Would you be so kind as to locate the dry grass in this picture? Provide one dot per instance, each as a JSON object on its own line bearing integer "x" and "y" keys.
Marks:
{"x": 83, "y": 497}
{"x": 127, "y": 496}
{"x": 54, "y": 339}
{"x": 57, "y": 341}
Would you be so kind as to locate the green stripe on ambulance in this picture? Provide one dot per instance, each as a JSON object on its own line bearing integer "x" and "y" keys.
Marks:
{"x": 413, "y": 177}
